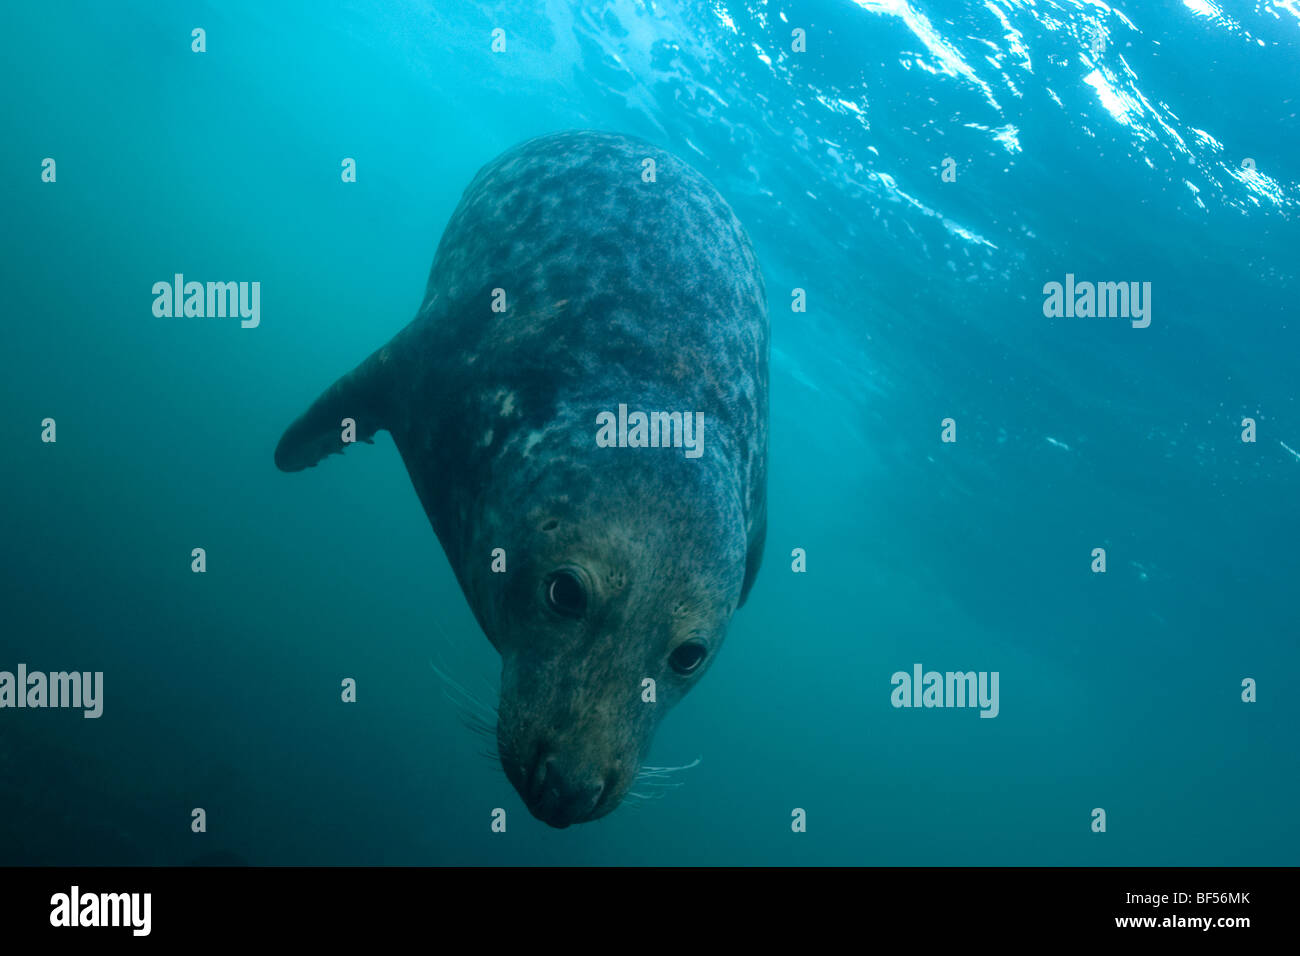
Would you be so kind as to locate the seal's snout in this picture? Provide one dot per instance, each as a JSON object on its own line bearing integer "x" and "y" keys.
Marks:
{"x": 562, "y": 796}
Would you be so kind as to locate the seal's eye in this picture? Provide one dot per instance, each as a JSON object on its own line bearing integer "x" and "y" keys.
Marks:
{"x": 686, "y": 657}
{"x": 565, "y": 595}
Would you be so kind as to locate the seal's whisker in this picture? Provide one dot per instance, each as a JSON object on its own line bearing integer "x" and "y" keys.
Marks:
{"x": 664, "y": 771}
{"x": 656, "y": 782}
{"x": 474, "y": 725}
{"x": 633, "y": 803}
{"x": 454, "y": 686}
{"x": 504, "y": 755}
{"x": 493, "y": 690}
{"x": 475, "y": 721}
{"x": 474, "y": 714}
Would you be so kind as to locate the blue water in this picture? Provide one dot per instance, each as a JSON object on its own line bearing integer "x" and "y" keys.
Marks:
{"x": 1118, "y": 160}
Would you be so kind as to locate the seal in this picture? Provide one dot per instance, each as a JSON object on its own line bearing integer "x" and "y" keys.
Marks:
{"x": 582, "y": 274}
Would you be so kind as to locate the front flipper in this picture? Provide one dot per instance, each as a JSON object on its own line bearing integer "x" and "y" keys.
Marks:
{"x": 363, "y": 395}
{"x": 753, "y": 559}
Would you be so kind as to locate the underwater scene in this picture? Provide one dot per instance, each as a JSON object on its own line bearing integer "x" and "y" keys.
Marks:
{"x": 844, "y": 432}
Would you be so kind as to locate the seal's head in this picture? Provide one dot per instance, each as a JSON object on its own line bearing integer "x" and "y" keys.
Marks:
{"x": 618, "y": 608}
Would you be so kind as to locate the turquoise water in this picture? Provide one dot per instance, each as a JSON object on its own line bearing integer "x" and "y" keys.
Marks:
{"x": 1123, "y": 159}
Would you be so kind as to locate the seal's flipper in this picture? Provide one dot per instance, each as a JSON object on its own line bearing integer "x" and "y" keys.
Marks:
{"x": 752, "y": 560}
{"x": 362, "y": 395}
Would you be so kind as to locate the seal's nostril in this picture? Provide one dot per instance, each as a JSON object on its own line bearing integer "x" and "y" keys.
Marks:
{"x": 542, "y": 771}
{"x": 607, "y": 789}
{"x": 597, "y": 795}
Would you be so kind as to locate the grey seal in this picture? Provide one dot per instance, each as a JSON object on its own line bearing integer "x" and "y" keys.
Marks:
{"x": 574, "y": 281}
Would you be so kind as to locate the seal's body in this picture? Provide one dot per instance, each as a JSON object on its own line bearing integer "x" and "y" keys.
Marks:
{"x": 574, "y": 278}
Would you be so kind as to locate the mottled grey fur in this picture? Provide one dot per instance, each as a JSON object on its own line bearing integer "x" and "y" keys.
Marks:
{"x": 618, "y": 291}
